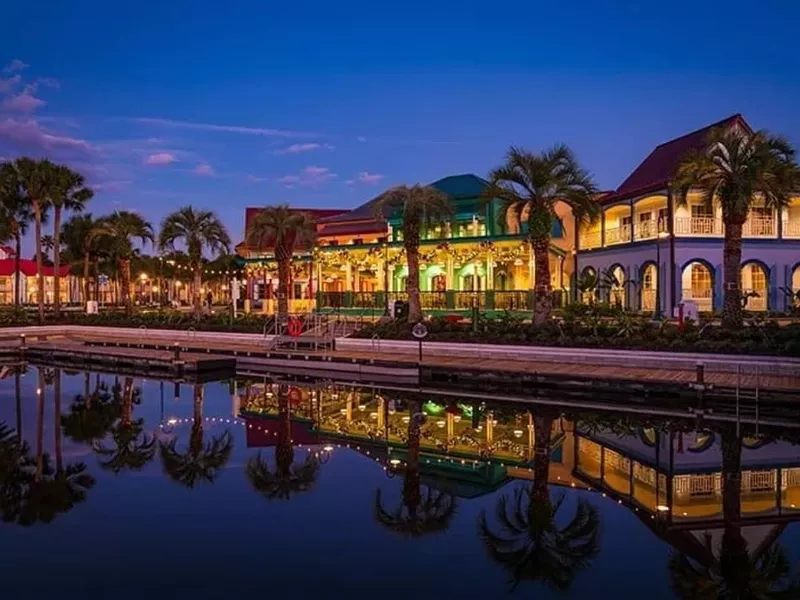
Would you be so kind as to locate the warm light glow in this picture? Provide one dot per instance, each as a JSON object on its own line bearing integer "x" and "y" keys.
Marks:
{"x": 328, "y": 448}
{"x": 373, "y": 415}
{"x": 457, "y": 418}
{"x": 362, "y": 407}
{"x": 662, "y": 508}
{"x": 143, "y": 276}
{"x": 518, "y": 433}
{"x": 155, "y": 289}
{"x": 343, "y": 411}
{"x": 172, "y": 421}
{"x": 394, "y": 462}
{"x": 177, "y": 284}
{"x": 440, "y": 424}
{"x": 406, "y": 419}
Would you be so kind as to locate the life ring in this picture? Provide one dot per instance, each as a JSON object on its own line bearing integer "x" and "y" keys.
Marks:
{"x": 294, "y": 326}
{"x": 295, "y": 395}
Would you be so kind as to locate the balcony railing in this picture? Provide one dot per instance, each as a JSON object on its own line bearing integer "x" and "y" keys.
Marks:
{"x": 698, "y": 226}
{"x": 791, "y": 229}
{"x": 646, "y": 230}
{"x": 618, "y": 235}
{"x": 445, "y": 300}
{"x": 756, "y": 303}
{"x": 703, "y": 298}
{"x": 591, "y": 239}
{"x": 759, "y": 227}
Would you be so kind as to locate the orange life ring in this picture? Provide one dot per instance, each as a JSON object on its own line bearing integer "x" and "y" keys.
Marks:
{"x": 294, "y": 326}
{"x": 295, "y": 395}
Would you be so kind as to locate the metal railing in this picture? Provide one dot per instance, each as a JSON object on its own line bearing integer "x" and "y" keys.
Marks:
{"x": 698, "y": 226}
{"x": 791, "y": 229}
{"x": 756, "y": 303}
{"x": 646, "y": 230}
{"x": 591, "y": 239}
{"x": 375, "y": 302}
{"x": 759, "y": 227}
{"x": 618, "y": 235}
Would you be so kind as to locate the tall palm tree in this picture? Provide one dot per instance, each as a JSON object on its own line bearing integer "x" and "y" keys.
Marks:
{"x": 17, "y": 214}
{"x": 198, "y": 229}
{"x": 70, "y": 193}
{"x": 737, "y": 168}
{"x": 418, "y": 513}
{"x": 117, "y": 231}
{"x": 286, "y": 478}
{"x": 81, "y": 246}
{"x": 132, "y": 448}
{"x": 533, "y": 184}
{"x": 527, "y": 541}
{"x": 200, "y": 462}
{"x": 38, "y": 180}
{"x": 285, "y": 230}
{"x": 91, "y": 416}
{"x": 419, "y": 205}
{"x": 733, "y": 572}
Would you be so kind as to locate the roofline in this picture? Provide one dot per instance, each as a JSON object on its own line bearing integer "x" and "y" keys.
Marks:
{"x": 737, "y": 117}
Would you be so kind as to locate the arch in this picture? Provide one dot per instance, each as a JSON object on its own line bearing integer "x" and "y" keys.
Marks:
{"x": 616, "y": 285}
{"x": 587, "y": 284}
{"x": 513, "y": 225}
{"x": 754, "y": 275}
{"x": 501, "y": 279}
{"x": 697, "y": 283}
{"x": 438, "y": 283}
{"x": 649, "y": 278}
{"x": 794, "y": 284}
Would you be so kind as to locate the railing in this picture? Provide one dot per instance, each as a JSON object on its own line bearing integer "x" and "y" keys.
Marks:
{"x": 759, "y": 227}
{"x": 646, "y": 230}
{"x": 618, "y": 235}
{"x": 703, "y": 298}
{"x": 443, "y": 300}
{"x": 591, "y": 239}
{"x": 698, "y": 226}
{"x": 791, "y": 229}
{"x": 756, "y": 303}
{"x": 648, "y": 300}
{"x": 512, "y": 300}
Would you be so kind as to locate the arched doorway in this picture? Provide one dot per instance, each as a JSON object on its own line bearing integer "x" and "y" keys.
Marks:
{"x": 755, "y": 286}
{"x": 697, "y": 285}
{"x": 795, "y": 301}
{"x": 501, "y": 280}
{"x": 438, "y": 283}
{"x": 471, "y": 283}
{"x": 587, "y": 285}
{"x": 649, "y": 287}
{"x": 616, "y": 292}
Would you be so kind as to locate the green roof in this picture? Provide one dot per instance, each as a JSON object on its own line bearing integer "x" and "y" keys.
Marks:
{"x": 461, "y": 186}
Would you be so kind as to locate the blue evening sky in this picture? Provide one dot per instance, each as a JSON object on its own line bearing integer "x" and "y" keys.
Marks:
{"x": 324, "y": 104}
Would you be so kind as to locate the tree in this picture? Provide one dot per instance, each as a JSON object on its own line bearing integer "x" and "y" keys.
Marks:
{"x": 533, "y": 184}
{"x": 418, "y": 513}
{"x": 285, "y": 230}
{"x": 737, "y": 169}
{"x": 69, "y": 193}
{"x": 200, "y": 462}
{"x": 117, "y": 232}
{"x": 419, "y": 206}
{"x": 91, "y": 416}
{"x": 81, "y": 246}
{"x": 527, "y": 541}
{"x": 38, "y": 180}
{"x": 286, "y": 478}
{"x": 198, "y": 229}
{"x": 17, "y": 214}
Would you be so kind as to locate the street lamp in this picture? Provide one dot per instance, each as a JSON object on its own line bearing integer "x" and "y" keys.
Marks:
{"x": 386, "y": 279}
{"x": 661, "y": 236}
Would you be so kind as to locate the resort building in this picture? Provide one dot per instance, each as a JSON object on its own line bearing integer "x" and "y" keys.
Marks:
{"x": 69, "y": 288}
{"x": 646, "y": 252}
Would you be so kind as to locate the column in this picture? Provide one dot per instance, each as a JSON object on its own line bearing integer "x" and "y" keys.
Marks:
{"x": 489, "y": 273}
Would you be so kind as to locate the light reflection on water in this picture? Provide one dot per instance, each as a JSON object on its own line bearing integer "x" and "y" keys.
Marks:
{"x": 207, "y": 490}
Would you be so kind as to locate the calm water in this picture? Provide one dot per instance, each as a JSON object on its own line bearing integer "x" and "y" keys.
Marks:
{"x": 305, "y": 491}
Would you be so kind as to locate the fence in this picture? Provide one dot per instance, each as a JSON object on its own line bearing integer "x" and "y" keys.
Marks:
{"x": 446, "y": 300}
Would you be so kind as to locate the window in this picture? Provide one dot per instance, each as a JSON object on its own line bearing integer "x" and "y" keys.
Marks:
{"x": 761, "y": 212}
{"x": 625, "y": 222}
{"x": 645, "y": 217}
{"x": 662, "y": 219}
{"x": 758, "y": 279}
{"x": 701, "y": 281}
{"x": 702, "y": 210}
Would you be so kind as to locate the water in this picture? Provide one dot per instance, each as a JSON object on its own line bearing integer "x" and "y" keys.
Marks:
{"x": 151, "y": 525}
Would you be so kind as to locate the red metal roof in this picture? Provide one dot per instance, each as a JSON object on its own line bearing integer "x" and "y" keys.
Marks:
{"x": 28, "y": 268}
{"x": 357, "y": 228}
{"x": 658, "y": 168}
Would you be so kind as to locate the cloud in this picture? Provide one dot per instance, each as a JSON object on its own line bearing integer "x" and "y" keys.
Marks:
{"x": 289, "y": 179}
{"x": 160, "y": 158}
{"x": 25, "y": 102}
{"x": 220, "y": 128}
{"x": 49, "y": 82}
{"x": 349, "y": 181}
{"x": 367, "y": 177}
{"x": 310, "y": 176}
{"x": 308, "y": 147}
{"x": 256, "y": 179}
{"x": 30, "y": 134}
{"x": 6, "y": 85}
{"x": 361, "y": 138}
{"x": 204, "y": 170}
{"x": 15, "y": 65}
{"x": 113, "y": 186}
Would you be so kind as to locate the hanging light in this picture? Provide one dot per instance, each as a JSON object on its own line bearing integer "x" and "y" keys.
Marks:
{"x": 440, "y": 424}
{"x": 518, "y": 262}
{"x": 518, "y": 433}
{"x": 343, "y": 411}
{"x": 406, "y": 419}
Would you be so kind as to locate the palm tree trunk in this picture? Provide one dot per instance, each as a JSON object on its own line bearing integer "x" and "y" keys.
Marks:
{"x": 56, "y": 260}
{"x": 17, "y": 261}
{"x": 284, "y": 266}
{"x": 411, "y": 482}
{"x": 284, "y": 451}
{"x": 87, "y": 262}
{"x": 732, "y": 309}
{"x": 414, "y": 307}
{"x": 198, "y": 282}
{"x": 127, "y": 402}
{"x": 37, "y": 226}
{"x": 542, "y": 430}
{"x": 734, "y": 555}
{"x": 18, "y": 397}
{"x": 86, "y": 388}
{"x": 125, "y": 274}
{"x": 57, "y": 422}
{"x": 40, "y": 428}
{"x": 543, "y": 300}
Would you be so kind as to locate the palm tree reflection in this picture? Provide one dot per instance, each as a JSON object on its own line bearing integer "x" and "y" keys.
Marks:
{"x": 200, "y": 462}
{"x": 417, "y": 513}
{"x": 528, "y": 539}
{"x": 286, "y": 478}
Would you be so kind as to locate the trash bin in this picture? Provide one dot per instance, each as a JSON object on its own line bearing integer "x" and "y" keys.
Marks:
{"x": 91, "y": 307}
{"x": 400, "y": 310}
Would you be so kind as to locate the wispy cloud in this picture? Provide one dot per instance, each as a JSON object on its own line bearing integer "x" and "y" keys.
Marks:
{"x": 30, "y": 134}
{"x": 204, "y": 170}
{"x": 361, "y": 138}
{"x": 367, "y": 177}
{"x": 6, "y": 85}
{"x": 310, "y": 176}
{"x": 261, "y": 131}
{"x": 160, "y": 159}
{"x": 300, "y": 148}
{"x": 25, "y": 102}
{"x": 15, "y": 65}
{"x": 256, "y": 179}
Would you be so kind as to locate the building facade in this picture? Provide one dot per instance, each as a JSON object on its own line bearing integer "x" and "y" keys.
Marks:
{"x": 647, "y": 251}
{"x": 69, "y": 289}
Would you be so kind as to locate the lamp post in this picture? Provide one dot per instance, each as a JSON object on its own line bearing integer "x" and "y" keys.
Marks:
{"x": 386, "y": 279}
{"x": 659, "y": 236}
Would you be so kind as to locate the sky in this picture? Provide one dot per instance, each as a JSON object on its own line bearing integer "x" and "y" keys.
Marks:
{"x": 321, "y": 104}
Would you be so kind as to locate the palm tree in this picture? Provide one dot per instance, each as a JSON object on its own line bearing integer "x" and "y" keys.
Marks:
{"x": 117, "y": 231}
{"x": 198, "y": 229}
{"x": 418, "y": 513}
{"x": 40, "y": 456}
{"x": 737, "y": 168}
{"x": 286, "y": 478}
{"x": 81, "y": 246}
{"x": 70, "y": 193}
{"x": 201, "y": 462}
{"x": 533, "y": 184}
{"x": 17, "y": 214}
{"x": 132, "y": 448}
{"x": 285, "y": 230}
{"x": 91, "y": 416}
{"x": 528, "y": 542}
{"x": 420, "y": 206}
{"x": 733, "y": 572}
{"x": 38, "y": 180}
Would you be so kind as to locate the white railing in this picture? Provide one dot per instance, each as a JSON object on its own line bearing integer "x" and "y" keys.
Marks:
{"x": 759, "y": 227}
{"x": 591, "y": 239}
{"x": 791, "y": 229}
{"x": 703, "y": 298}
{"x": 618, "y": 235}
{"x": 646, "y": 230}
{"x": 698, "y": 226}
{"x": 756, "y": 303}
{"x": 697, "y": 485}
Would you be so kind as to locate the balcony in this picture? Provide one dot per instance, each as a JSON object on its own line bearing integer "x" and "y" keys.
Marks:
{"x": 759, "y": 227}
{"x": 791, "y": 229}
{"x": 590, "y": 239}
{"x": 646, "y": 230}
{"x": 618, "y": 235}
{"x": 698, "y": 226}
